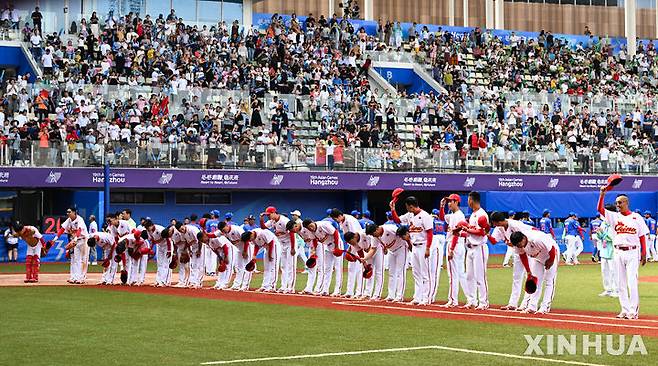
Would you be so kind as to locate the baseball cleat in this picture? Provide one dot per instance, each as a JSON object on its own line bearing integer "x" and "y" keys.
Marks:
{"x": 542, "y": 311}
{"x": 482, "y": 307}
{"x": 505, "y": 265}
{"x": 621, "y": 315}
{"x": 449, "y": 305}
{"x": 413, "y": 302}
{"x": 508, "y": 308}
{"x": 528, "y": 311}
{"x": 388, "y": 299}
{"x": 631, "y": 316}
{"x": 468, "y": 306}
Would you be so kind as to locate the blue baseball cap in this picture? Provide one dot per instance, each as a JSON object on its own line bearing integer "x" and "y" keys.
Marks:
{"x": 435, "y": 211}
{"x": 228, "y": 215}
{"x": 355, "y": 213}
{"x": 526, "y": 212}
{"x": 366, "y": 213}
{"x": 647, "y": 212}
{"x": 328, "y": 211}
{"x": 637, "y": 210}
{"x": 215, "y": 213}
{"x": 546, "y": 211}
{"x": 389, "y": 214}
{"x": 572, "y": 213}
{"x": 511, "y": 213}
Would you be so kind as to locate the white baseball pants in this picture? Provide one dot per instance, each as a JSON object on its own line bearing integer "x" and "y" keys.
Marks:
{"x": 435, "y": 263}
{"x": 476, "y": 275}
{"x": 628, "y": 263}
{"x": 397, "y": 273}
{"x": 457, "y": 273}
{"x": 421, "y": 273}
{"x": 242, "y": 276}
{"x": 373, "y": 286}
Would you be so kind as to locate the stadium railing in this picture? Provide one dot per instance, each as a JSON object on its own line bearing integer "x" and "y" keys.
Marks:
{"x": 297, "y": 157}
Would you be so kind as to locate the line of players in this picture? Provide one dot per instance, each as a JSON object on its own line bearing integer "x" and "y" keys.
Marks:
{"x": 229, "y": 251}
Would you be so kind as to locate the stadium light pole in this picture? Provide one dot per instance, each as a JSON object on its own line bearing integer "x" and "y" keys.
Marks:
{"x": 465, "y": 13}
{"x": 630, "y": 19}
{"x": 451, "y": 13}
{"x": 489, "y": 13}
{"x": 499, "y": 12}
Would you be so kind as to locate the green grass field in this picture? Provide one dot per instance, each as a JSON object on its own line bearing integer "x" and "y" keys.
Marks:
{"x": 83, "y": 326}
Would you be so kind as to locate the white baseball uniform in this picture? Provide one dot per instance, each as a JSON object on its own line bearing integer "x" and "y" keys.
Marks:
{"x": 477, "y": 256}
{"x": 538, "y": 248}
{"x": 397, "y": 261}
{"x": 315, "y": 274}
{"x": 122, "y": 229}
{"x": 373, "y": 286}
{"x": 267, "y": 240}
{"x": 502, "y": 235}
{"x": 77, "y": 231}
{"x": 327, "y": 235}
{"x": 628, "y": 230}
{"x": 164, "y": 253}
{"x": 287, "y": 260}
{"x": 107, "y": 243}
{"x": 196, "y": 259}
{"x": 456, "y": 267}
{"x": 180, "y": 246}
{"x": 242, "y": 276}
{"x": 437, "y": 251}
{"x": 354, "y": 269}
{"x": 418, "y": 225}
{"x": 223, "y": 250}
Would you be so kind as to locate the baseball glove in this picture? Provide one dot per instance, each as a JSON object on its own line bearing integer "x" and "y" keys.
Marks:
{"x": 174, "y": 262}
{"x": 350, "y": 257}
{"x": 117, "y": 258}
{"x": 337, "y": 252}
{"x": 250, "y": 266}
{"x": 124, "y": 277}
{"x": 106, "y": 263}
{"x": 367, "y": 271}
{"x": 121, "y": 247}
{"x": 531, "y": 284}
{"x": 222, "y": 267}
{"x": 184, "y": 258}
{"x": 312, "y": 261}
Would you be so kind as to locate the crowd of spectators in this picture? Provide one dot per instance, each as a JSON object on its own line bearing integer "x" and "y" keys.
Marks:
{"x": 324, "y": 63}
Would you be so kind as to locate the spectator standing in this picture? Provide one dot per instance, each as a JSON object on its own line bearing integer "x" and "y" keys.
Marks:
{"x": 93, "y": 228}
{"x": 37, "y": 17}
{"x": 12, "y": 246}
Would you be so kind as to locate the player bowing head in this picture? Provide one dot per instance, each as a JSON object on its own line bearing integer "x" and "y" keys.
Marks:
{"x": 310, "y": 225}
{"x": 293, "y": 226}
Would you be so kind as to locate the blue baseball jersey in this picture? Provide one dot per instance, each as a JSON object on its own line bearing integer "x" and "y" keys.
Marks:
{"x": 247, "y": 227}
{"x": 651, "y": 223}
{"x": 572, "y": 227}
{"x": 391, "y": 222}
{"x": 211, "y": 225}
{"x": 545, "y": 225}
{"x": 364, "y": 222}
{"x": 594, "y": 225}
{"x": 528, "y": 222}
{"x": 439, "y": 227}
{"x": 333, "y": 222}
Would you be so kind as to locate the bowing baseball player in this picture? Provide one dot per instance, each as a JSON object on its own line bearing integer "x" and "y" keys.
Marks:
{"x": 107, "y": 243}
{"x": 397, "y": 242}
{"x": 504, "y": 227}
{"x": 76, "y": 228}
{"x": 277, "y": 223}
{"x": 35, "y": 246}
{"x": 316, "y": 253}
{"x": 373, "y": 257}
{"x": 189, "y": 236}
{"x": 164, "y": 250}
{"x": 328, "y": 236}
{"x": 243, "y": 255}
{"x": 544, "y": 255}
{"x": 225, "y": 253}
{"x": 266, "y": 240}
{"x": 349, "y": 223}
{"x": 630, "y": 251}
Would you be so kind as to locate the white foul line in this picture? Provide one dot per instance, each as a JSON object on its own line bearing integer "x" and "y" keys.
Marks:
{"x": 493, "y": 315}
{"x": 579, "y": 316}
{"x": 464, "y": 350}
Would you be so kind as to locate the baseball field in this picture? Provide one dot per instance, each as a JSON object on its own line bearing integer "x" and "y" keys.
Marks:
{"x": 51, "y": 323}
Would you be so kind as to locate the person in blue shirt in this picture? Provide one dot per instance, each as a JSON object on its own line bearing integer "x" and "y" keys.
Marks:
{"x": 511, "y": 214}
{"x": 213, "y": 222}
{"x": 436, "y": 256}
{"x": 546, "y": 224}
{"x": 356, "y": 214}
{"x": 250, "y": 224}
{"x": 594, "y": 226}
{"x": 365, "y": 219}
{"x": 573, "y": 235}
{"x": 228, "y": 217}
{"x": 389, "y": 218}
{"x": 652, "y": 256}
{"x": 332, "y": 221}
{"x": 526, "y": 219}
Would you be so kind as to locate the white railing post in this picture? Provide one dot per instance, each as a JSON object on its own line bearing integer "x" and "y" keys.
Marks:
{"x": 31, "y": 154}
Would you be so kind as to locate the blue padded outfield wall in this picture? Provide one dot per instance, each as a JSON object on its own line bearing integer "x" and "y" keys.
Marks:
{"x": 261, "y": 20}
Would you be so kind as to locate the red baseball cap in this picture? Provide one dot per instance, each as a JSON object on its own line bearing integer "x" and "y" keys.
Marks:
{"x": 270, "y": 210}
{"x": 455, "y": 197}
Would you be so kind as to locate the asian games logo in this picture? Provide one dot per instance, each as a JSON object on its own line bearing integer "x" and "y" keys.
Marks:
{"x": 53, "y": 177}
{"x": 469, "y": 182}
{"x": 373, "y": 181}
{"x": 553, "y": 182}
{"x": 165, "y": 178}
{"x": 637, "y": 183}
{"x": 276, "y": 180}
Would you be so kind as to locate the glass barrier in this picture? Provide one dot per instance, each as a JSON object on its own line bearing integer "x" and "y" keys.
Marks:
{"x": 300, "y": 157}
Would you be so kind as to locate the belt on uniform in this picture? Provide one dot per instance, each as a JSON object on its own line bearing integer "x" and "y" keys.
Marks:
{"x": 471, "y": 246}
{"x": 625, "y": 248}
